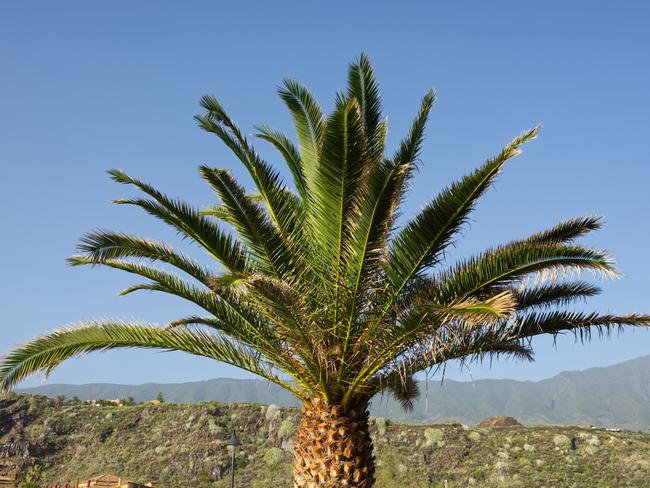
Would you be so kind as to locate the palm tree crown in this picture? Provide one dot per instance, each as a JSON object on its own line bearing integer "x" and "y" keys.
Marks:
{"x": 316, "y": 288}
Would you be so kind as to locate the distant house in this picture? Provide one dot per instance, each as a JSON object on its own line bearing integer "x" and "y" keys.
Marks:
{"x": 8, "y": 482}
{"x": 111, "y": 481}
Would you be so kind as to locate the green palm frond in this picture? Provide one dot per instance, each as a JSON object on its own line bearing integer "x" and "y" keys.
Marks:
{"x": 249, "y": 220}
{"x": 196, "y": 320}
{"x": 338, "y": 176}
{"x": 551, "y": 294}
{"x": 507, "y": 339}
{"x": 281, "y": 207}
{"x": 511, "y": 263}
{"x": 106, "y": 245}
{"x": 566, "y": 231}
{"x": 45, "y": 353}
{"x": 497, "y": 306}
{"x": 581, "y": 324}
{"x": 486, "y": 275}
{"x": 218, "y": 212}
{"x": 378, "y": 201}
{"x": 410, "y": 147}
{"x": 237, "y": 317}
{"x": 404, "y": 389}
{"x": 160, "y": 280}
{"x": 290, "y": 153}
{"x": 422, "y": 323}
{"x": 421, "y": 242}
{"x": 188, "y": 221}
{"x": 285, "y": 308}
{"x": 363, "y": 86}
{"x": 309, "y": 122}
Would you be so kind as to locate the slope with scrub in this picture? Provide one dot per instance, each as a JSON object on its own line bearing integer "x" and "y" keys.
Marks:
{"x": 184, "y": 446}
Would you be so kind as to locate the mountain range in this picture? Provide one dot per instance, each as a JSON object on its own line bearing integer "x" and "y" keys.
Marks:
{"x": 613, "y": 396}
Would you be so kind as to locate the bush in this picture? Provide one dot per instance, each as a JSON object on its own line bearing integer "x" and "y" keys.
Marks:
{"x": 433, "y": 436}
{"x": 380, "y": 422}
{"x": 561, "y": 441}
{"x": 213, "y": 427}
{"x": 272, "y": 412}
{"x": 274, "y": 457}
{"x": 286, "y": 429}
{"x": 32, "y": 476}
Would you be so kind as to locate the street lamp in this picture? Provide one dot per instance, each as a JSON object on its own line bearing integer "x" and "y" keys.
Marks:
{"x": 233, "y": 442}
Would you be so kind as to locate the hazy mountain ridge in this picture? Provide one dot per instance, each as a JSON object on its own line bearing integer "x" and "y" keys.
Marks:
{"x": 617, "y": 395}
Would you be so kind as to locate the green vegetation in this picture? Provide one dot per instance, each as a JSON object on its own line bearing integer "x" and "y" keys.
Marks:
{"x": 150, "y": 443}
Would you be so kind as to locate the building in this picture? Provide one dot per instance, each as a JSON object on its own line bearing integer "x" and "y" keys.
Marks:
{"x": 111, "y": 481}
{"x": 8, "y": 482}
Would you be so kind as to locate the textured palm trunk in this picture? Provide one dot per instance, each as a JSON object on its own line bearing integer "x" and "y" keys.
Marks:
{"x": 333, "y": 447}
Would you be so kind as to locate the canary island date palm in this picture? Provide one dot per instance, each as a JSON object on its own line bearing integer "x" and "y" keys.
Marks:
{"x": 315, "y": 286}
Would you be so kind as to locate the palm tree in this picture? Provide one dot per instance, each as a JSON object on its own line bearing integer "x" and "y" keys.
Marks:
{"x": 318, "y": 291}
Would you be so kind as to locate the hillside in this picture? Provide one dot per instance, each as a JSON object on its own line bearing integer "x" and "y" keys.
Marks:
{"x": 617, "y": 395}
{"x": 183, "y": 445}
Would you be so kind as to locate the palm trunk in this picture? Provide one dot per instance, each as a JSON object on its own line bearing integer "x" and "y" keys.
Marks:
{"x": 333, "y": 447}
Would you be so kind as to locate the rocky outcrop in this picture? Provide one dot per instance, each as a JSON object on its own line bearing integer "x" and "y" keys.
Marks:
{"x": 499, "y": 422}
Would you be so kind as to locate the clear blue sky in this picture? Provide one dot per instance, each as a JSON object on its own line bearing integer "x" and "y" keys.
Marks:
{"x": 86, "y": 86}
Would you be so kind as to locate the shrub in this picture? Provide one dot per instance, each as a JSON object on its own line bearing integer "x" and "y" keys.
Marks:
{"x": 286, "y": 429}
{"x": 433, "y": 436}
{"x": 380, "y": 422}
{"x": 562, "y": 441}
{"x": 213, "y": 427}
{"x": 274, "y": 457}
{"x": 32, "y": 476}
{"x": 272, "y": 411}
